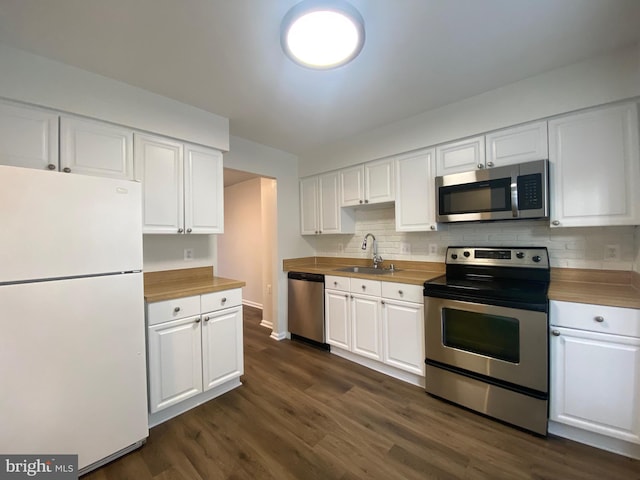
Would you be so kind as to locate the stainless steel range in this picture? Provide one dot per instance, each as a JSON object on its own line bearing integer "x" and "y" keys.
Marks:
{"x": 486, "y": 329}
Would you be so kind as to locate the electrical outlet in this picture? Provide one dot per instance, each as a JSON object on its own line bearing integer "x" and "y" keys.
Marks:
{"x": 268, "y": 289}
{"x": 433, "y": 249}
{"x": 405, "y": 248}
{"x": 188, "y": 254}
{"x": 612, "y": 252}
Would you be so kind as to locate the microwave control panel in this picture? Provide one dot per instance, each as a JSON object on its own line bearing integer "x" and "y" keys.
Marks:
{"x": 530, "y": 192}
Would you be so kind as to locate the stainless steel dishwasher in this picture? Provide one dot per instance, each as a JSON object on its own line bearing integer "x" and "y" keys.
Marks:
{"x": 306, "y": 308}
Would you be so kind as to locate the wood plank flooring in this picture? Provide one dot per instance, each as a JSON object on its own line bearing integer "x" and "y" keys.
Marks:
{"x": 306, "y": 414}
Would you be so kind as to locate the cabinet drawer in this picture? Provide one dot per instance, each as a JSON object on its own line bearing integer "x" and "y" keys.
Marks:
{"x": 223, "y": 299}
{"x": 336, "y": 283}
{"x": 368, "y": 287}
{"x": 403, "y": 291}
{"x": 159, "y": 312}
{"x": 595, "y": 318}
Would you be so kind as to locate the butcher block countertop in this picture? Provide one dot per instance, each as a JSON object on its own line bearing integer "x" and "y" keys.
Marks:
{"x": 169, "y": 284}
{"x": 598, "y": 287}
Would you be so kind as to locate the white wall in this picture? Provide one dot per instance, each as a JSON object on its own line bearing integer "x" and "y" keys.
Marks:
{"x": 166, "y": 252}
{"x": 240, "y": 248}
{"x": 269, "y": 206}
{"x": 283, "y": 167}
{"x": 636, "y": 265}
{"x": 568, "y": 247}
{"x": 593, "y": 82}
{"x": 40, "y": 81}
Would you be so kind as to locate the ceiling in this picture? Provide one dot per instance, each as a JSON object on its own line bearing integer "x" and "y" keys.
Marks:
{"x": 224, "y": 56}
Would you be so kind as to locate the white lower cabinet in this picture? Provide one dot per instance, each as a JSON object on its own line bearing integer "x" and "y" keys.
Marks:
{"x": 595, "y": 370}
{"x": 380, "y": 323}
{"x": 403, "y": 326}
{"x": 193, "y": 356}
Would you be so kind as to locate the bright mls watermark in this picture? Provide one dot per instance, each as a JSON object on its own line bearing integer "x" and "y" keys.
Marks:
{"x": 50, "y": 467}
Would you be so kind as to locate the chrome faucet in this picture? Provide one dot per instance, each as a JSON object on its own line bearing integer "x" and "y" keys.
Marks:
{"x": 377, "y": 259}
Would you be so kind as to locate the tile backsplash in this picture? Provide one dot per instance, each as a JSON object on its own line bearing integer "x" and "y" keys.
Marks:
{"x": 568, "y": 247}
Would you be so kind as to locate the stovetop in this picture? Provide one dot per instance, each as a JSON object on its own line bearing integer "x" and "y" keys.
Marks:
{"x": 512, "y": 277}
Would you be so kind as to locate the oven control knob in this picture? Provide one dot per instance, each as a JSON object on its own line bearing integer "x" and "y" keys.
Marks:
{"x": 520, "y": 254}
{"x": 536, "y": 258}
{"x": 454, "y": 255}
{"x": 466, "y": 254}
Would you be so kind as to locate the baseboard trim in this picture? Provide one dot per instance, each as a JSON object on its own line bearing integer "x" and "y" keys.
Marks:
{"x": 278, "y": 336}
{"x": 249, "y": 303}
{"x": 266, "y": 324}
{"x": 593, "y": 439}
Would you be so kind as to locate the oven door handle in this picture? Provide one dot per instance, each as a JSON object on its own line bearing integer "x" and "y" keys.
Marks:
{"x": 514, "y": 194}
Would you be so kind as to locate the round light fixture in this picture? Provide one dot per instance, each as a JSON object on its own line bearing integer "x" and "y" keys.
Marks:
{"x": 322, "y": 34}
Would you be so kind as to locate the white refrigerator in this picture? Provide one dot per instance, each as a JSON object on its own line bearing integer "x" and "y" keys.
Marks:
{"x": 72, "y": 335}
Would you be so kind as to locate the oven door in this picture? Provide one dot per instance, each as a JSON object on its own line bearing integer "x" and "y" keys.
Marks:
{"x": 506, "y": 344}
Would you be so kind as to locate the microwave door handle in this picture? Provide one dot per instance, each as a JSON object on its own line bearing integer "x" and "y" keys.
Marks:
{"x": 514, "y": 195}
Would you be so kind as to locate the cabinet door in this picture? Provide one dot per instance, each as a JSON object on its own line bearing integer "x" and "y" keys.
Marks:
{"x": 462, "y": 156}
{"x": 415, "y": 192}
{"x": 203, "y": 190}
{"x": 366, "y": 328}
{"x": 595, "y": 382}
{"x": 403, "y": 333}
{"x": 222, "y": 353}
{"x": 95, "y": 148}
{"x": 518, "y": 144}
{"x": 159, "y": 166}
{"x": 329, "y": 207}
{"x": 379, "y": 181}
{"x": 175, "y": 362}
{"x": 352, "y": 186}
{"x": 309, "y": 222}
{"x": 28, "y": 137}
{"x": 595, "y": 168}
{"x": 337, "y": 321}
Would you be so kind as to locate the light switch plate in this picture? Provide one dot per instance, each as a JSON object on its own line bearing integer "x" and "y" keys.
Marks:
{"x": 405, "y": 248}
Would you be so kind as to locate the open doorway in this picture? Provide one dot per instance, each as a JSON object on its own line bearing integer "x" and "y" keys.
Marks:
{"x": 247, "y": 249}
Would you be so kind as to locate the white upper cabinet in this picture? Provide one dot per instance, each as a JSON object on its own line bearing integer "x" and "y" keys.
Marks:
{"x": 594, "y": 167}
{"x": 415, "y": 192}
{"x": 28, "y": 137}
{"x": 95, "y": 148}
{"x": 461, "y": 156}
{"x": 372, "y": 182}
{"x": 320, "y": 211}
{"x": 179, "y": 196}
{"x": 203, "y": 190}
{"x": 524, "y": 143}
{"x": 159, "y": 166}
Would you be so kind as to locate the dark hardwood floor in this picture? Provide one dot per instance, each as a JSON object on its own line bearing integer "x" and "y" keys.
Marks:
{"x": 306, "y": 414}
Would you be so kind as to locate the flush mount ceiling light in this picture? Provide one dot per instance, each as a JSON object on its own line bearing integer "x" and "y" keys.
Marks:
{"x": 322, "y": 34}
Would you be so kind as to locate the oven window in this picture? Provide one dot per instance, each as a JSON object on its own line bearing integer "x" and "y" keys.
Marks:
{"x": 490, "y": 196}
{"x": 490, "y": 335}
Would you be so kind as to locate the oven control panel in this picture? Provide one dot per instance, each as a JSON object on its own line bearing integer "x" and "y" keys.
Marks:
{"x": 530, "y": 257}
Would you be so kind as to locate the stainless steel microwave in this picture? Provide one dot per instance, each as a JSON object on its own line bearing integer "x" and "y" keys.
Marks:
{"x": 512, "y": 192}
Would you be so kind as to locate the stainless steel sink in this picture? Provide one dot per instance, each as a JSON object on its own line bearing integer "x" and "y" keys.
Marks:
{"x": 366, "y": 270}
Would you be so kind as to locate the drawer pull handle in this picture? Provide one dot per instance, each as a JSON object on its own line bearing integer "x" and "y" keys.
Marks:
{"x": 176, "y": 310}
{"x": 599, "y": 319}
{"x": 555, "y": 333}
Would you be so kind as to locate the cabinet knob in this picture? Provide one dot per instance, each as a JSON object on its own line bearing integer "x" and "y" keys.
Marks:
{"x": 51, "y": 166}
{"x": 432, "y": 227}
{"x": 364, "y": 287}
{"x": 335, "y": 284}
{"x": 66, "y": 170}
{"x": 224, "y": 299}
{"x": 360, "y": 201}
{"x": 180, "y": 230}
{"x": 555, "y": 222}
{"x": 189, "y": 230}
{"x": 176, "y": 310}
{"x": 400, "y": 292}
{"x": 480, "y": 165}
{"x": 382, "y": 302}
{"x": 489, "y": 164}
{"x": 366, "y": 201}
{"x": 599, "y": 319}
{"x": 351, "y": 297}
{"x": 346, "y": 296}
{"x": 320, "y": 231}
{"x": 555, "y": 333}
{"x": 198, "y": 320}
{"x": 206, "y": 319}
